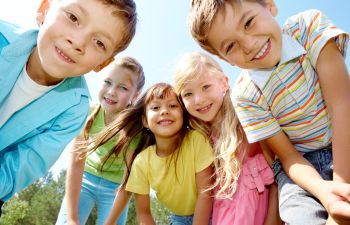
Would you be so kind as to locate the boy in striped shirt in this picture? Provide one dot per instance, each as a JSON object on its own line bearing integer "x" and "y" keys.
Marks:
{"x": 293, "y": 96}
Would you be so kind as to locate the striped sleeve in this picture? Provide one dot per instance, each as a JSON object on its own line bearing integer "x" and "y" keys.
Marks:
{"x": 313, "y": 30}
{"x": 253, "y": 111}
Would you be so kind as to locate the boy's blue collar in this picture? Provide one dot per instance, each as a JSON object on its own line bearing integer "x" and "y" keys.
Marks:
{"x": 291, "y": 49}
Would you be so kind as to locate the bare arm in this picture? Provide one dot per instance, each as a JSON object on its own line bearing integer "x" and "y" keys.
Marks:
{"x": 335, "y": 87}
{"x": 204, "y": 203}
{"x": 73, "y": 182}
{"x": 273, "y": 216}
{"x": 304, "y": 174}
{"x": 120, "y": 201}
{"x": 143, "y": 210}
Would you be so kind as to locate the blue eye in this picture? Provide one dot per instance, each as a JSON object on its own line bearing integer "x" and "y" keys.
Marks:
{"x": 188, "y": 94}
{"x": 107, "y": 82}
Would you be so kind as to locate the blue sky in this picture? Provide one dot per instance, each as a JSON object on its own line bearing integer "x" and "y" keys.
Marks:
{"x": 162, "y": 34}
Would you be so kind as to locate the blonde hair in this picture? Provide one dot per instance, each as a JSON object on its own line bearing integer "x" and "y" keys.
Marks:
{"x": 226, "y": 149}
{"x": 201, "y": 16}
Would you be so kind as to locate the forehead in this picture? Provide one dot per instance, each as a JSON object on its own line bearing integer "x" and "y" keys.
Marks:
{"x": 120, "y": 74}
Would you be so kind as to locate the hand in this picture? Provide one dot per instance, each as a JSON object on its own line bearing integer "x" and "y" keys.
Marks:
{"x": 337, "y": 202}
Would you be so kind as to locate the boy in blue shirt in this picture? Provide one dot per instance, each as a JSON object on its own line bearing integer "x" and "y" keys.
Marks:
{"x": 44, "y": 100}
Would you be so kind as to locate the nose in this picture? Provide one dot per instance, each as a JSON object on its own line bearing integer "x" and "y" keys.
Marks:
{"x": 164, "y": 111}
{"x": 112, "y": 91}
{"x": 78, "y": 42}
{"x": 198, "y": 99}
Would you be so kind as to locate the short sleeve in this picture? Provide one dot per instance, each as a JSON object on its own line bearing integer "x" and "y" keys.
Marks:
{"x": 138, "y": 180}
{"x": 253, "y": 111}
{"x": 204, "y": 155}
{"x": 313, "y": 30}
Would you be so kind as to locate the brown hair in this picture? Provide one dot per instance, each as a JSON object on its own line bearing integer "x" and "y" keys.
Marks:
{"x": 129, "y": 128}
{"x": 126, "y": 10}
{"x": 201, "y": 16}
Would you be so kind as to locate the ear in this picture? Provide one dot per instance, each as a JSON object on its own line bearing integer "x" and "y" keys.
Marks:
{"x": 41, "y": 12}
{"x": 271, "y": 6}
{"x": 135, "y": 97}
{"x": 144, "y": 122}
{"x": 226, "y": 83}
{"x": 104, "y": 64}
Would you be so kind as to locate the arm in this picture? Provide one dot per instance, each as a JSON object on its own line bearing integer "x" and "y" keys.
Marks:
{"x": 335, "y": 87}
{"x": 30, "y": 159}
{"x": 120, "y": 201}
{"x": 143, "y": 210}
{"x": 273, "y": 217}
{"x": 204, "y": 204}
{"x": 73, "y": 183}
{"x": 304, "y": 174}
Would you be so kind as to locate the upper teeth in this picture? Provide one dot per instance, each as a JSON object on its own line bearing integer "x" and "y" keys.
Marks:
{"x": 262, "y": 51}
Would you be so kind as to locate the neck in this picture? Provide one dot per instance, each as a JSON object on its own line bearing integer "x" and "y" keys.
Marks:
{"x": 109, "y": 117}
{"x": 164, "y": 146}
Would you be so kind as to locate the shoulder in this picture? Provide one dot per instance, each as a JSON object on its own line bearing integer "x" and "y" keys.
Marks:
{"x": 10, "y": 31}
{"x": 301, "y": 20}
{"x": 195, "y": 136}
{"x": 244, "y": 87}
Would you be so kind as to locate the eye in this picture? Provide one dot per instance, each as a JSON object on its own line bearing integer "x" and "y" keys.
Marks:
{"x": 72, "y": 17}
{"x": 229, "y": 48}
{"x": 206, "y": 86}
{"x": 186, "y": 95}
{"x": 154, "y": 108}
{"x": 123, "y": 88}
{"x": 249, "y": 23}
{"x": 100, "y": 45}
{"x": 107, "y": 82}
{"x": 173, "y": 106}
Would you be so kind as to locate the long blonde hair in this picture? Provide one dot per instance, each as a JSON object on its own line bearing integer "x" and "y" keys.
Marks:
{"x": 226, "y": 149}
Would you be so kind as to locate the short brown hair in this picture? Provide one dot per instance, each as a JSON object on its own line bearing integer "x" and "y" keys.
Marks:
{"x": 126, "y": 10}
{"x": 201, "y": 16}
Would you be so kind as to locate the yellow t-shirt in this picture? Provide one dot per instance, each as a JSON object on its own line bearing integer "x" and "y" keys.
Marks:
{"x": 176, "y": 190}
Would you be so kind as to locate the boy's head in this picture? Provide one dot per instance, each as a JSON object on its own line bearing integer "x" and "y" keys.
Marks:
{"x": 77, "y": 36}
{"x": 243, "y": 33}
{"x": 123, "y": 80}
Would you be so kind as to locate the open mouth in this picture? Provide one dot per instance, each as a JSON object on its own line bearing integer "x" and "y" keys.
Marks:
{"x": 205, "y": 109}
{"x": 165, "y": 122}
{"x": 64, "y": 56}
{"x": 109, "y": 101}
{"x": 263, "y": 51}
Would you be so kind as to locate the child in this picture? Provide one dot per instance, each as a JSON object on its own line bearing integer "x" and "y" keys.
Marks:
{"x": 43, "y": 98}
{"x": 294, "y": 89}
{"x": 93, "y": 180}
{"x": 172, "y": 160}
{"x": 243, "y": 176}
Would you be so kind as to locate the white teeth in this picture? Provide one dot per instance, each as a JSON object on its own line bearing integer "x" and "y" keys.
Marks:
{"x": 262, "y": 52}
{"x": 205, "y": 108}
{"x": 64, "y": 56}
{"x": 165, "y": 122}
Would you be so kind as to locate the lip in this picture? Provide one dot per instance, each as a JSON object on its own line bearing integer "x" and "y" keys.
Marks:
{"x": 264, "y": 50}
{"x": 109, "y": 101}
{"x": 63, "y": 56}
{"x": 205, "y": 109}
{"x": 165, "y": 122}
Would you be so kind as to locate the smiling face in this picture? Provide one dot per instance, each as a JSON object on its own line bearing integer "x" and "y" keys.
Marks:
{"x": 247, "y": 35}
{"x": 203, "y": 96}
{"x": 118, "y": 89}
{"x": 164, "y": 116}
{"x": 76, "y": 37}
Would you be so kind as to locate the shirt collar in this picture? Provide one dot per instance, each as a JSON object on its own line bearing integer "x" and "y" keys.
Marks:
{"x": 291, "y": 49}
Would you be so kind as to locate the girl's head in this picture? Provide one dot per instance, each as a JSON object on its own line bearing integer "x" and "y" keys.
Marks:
{"x": 122, "y": 82}
{"x": 202, "y": 86}
{"x": 204, "y": 90}
{"x": 163, "y": 113}
{"x": 156, "y": 115}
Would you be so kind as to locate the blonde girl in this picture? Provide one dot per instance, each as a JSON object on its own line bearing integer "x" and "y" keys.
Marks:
{"x": 171, "y": 159}
{"x": 92, "y": 180}
{"x": 242, "y": 174}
